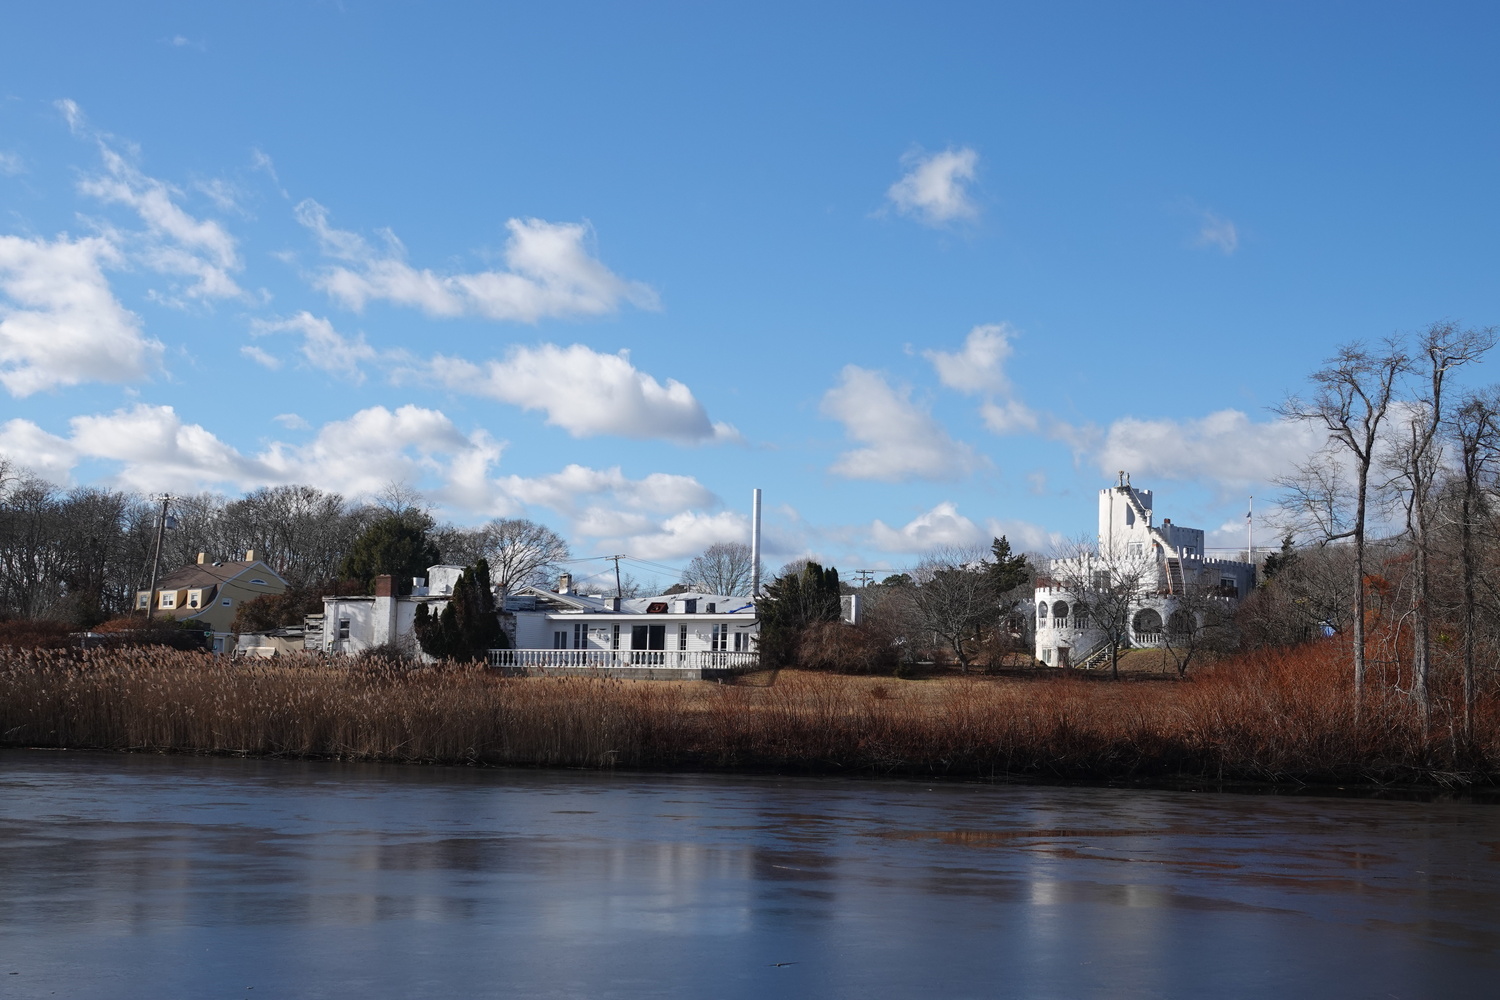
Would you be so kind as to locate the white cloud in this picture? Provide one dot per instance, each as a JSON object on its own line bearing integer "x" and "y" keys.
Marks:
{"x": 902, "y": 439}
{"x": 978, "y": 368}
{"x": 684, "y": 535}
{"x": 260, "y": 357}
{"x": 60, "y": 323}
{"x": 579, "y": 485}
{"x": 550, "y": 272}
{"x": 943, "y": 526}
{"x": 151, "y": 448}
{"x": 1218, "y": 232}
{"x": 11, "y": 164}
{"x": 377, "y": 446}
{"x": 155, "y": 449}
{"x": 934, "y": 189}
{"x": 585, "y": 392}
{"x": 27, "y": 445}
{"x": 174, "y": 242}
{"x": 323, "y": 347}
{"x": 1225, "y": 448}
{"x": 940, "y": 526}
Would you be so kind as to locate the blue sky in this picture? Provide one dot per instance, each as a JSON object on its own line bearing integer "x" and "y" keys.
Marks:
{"x": 922, "y": 273}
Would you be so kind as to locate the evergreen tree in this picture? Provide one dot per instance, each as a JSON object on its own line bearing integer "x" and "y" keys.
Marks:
{"x": 468, "y": 626}
{"x": 1008, "y": 571}
{"x": 798, "y": 598}
{"x": 396, "y": 544}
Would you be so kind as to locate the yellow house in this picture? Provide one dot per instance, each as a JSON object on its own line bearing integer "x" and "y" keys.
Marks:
{"x": 211, "y": 592}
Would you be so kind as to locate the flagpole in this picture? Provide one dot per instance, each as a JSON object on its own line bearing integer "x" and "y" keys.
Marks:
{"x": 1250, "y": 533}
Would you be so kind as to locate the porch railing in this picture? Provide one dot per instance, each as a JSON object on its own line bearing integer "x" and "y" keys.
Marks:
{"x": 606, "y": 659}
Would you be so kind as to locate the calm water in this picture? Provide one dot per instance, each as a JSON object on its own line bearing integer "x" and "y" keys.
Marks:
{"x": 125, "y": 877}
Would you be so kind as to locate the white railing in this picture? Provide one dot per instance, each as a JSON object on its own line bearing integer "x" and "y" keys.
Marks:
{"x": 608, "y": 659}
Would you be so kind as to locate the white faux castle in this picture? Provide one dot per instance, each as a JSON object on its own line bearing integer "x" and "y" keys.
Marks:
{"x": 1156, "y": 576}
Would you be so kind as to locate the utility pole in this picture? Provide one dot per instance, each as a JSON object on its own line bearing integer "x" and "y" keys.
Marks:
{"x": 161, "y": 530}
{"x": 865, "y": 577}
{"x": 619, "y": 592}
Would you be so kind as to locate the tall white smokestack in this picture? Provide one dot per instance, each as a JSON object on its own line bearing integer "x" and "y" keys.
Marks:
{"x": 755, "y": 543}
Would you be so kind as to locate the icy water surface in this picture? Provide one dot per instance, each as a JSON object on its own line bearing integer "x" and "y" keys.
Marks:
{"x": 148, "y": 877}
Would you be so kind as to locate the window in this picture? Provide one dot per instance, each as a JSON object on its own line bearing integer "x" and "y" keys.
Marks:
{"x": 742, "y": 642}
{"x": 712, "y": 607}
{"x": 142, "y": 600}
{"x": 168, "y": 599}
{"x": 720, "y": 638}
{"x": 580, "y": 637}
{"x": 614, "y": 642}
{"x": 560, "y": 640}
{"x": 1041, "y": 610}
{"x": 682, "y": 637}
{"x": 1046, "y": 656}
{"x": 226, "y": 602}
{"x": 656, "y": 608}
{"x": 259, "y": 583}
{"x": 343, "y": 628}
{"x": 690, "y": 606}
{"x": 648, "y": 637}
{"x": 194, "y": 597}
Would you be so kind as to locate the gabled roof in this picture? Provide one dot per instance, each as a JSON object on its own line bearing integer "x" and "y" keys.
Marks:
{"x": 200, "y": 575}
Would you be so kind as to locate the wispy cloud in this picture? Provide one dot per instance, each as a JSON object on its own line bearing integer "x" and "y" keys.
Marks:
{"x": 1217, "y": 232}
{"x": 934, "y": 190}
{"x": 323, "y": 347}
{"x": 978, "y": 368}
{"x": 902, "y": 441}
{"x": 174, "y": 241}
{"x": 11, "y": 164}
{"x": 550, "y": 272}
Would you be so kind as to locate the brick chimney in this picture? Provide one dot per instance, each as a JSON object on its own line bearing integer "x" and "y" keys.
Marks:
{"x": 385, "y": 585}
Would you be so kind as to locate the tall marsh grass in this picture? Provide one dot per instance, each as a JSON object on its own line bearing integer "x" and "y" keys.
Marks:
{"x": 1279, "y": 715}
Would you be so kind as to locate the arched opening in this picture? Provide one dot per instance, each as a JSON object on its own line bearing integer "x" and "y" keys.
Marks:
{"x": 1147, "y": 621}
{"x": 1060, "y": 609}
{"x": 1180, "y": 623}
{"x": 1041, "y": 611}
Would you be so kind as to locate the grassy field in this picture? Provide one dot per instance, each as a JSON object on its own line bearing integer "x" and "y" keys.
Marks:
{"x": 1271, "y": 716}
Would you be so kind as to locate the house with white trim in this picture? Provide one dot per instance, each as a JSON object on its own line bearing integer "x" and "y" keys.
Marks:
{"x": 211, "y": 591}
{"x": 560, "y": 632}
{"x": 1173, "y": 585}
{"x": 685, "y": 634}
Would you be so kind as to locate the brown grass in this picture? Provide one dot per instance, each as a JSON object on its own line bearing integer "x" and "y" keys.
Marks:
{"x": 1281, "y": 715}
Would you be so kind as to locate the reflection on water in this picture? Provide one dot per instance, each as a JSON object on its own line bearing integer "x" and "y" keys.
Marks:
{"x": 127, "y": 877}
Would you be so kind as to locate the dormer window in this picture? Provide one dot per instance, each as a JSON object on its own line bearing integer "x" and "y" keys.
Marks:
{"x": 259, "y": 583}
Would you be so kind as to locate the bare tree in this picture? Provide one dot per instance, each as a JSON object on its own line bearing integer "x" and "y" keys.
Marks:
{"x": 521, "y": 552}
{"x": 1476, "y": 428}
{"x": 722, "y": 568}
{"x": 1416, "y": 463}
{"x": 1200, "y": 621}
{"x": 955, "y": 599}
{"x": 1354, "y": 390}
{"x": 1108, "y": 585}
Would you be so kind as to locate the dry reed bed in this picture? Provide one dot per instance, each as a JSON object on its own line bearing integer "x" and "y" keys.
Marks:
{"x": 1277, "y": 716}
